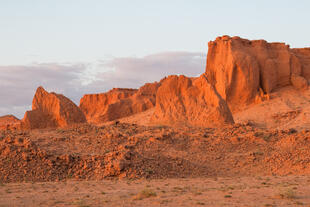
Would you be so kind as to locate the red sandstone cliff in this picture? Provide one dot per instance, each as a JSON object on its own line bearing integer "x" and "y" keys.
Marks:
{"x": 118, "y": 103}
{"x": 239, "y": 69}
{"x": 52, "y": 110}
{"x": 190, "y": 101}
{"x": 303, "y": 55}
{"x": 239, "y": 72}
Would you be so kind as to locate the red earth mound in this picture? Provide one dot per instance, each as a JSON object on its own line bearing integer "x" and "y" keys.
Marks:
{"x": 21, "y": 160}
{"x": 51, "y": 110}
{"x": 9, "y": 122}
{"x": 118, "y": 103}
{"x": 190, "y": 101}
{"x": 132, "y": 151}
{"x": 241, "y": 69}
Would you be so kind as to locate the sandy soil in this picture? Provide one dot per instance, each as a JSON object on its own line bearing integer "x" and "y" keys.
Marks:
{"x": 217, "y": 191}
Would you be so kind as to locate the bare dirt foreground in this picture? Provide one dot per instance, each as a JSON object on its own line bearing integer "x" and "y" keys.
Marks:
{"x": 239, "y": 191}
{"x": 122, "y": 164}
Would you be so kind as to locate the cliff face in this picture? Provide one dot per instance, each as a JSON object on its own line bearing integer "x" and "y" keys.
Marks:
{"x": 239, "y": 72}
{"x": 240, "y": 69}
{"x": 303, "y": 55}
{"x": 94, "y": 106}
{"x": 190, "y": 101}
{"x": 118, "y": 103}
{"x": 52, "y": 110}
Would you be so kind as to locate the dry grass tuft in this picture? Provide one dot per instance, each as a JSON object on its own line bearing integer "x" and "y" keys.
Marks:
{"x": 146, "y": 193}
{"x": 288, "y": 193}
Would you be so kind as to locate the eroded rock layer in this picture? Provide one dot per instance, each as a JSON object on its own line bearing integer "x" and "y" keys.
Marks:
{"x": 240, "y": 69}
{"x": 303, "y": 55}
{"x": 190, "y": 101}
{"x": 52, "y": 110}
{"x": 118, "y": 103}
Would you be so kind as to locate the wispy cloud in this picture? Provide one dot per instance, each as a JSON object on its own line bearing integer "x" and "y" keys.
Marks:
{"x": 18, "y": 83}
{"x": 135, "y": 71}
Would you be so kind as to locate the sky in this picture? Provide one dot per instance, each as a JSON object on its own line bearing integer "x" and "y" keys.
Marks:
{"x": 90, "y": 46}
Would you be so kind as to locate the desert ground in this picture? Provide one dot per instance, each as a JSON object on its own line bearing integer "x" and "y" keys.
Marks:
{"x": 216, "y": 191}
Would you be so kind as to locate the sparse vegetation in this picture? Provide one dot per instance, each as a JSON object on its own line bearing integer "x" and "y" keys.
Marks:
{"x": 164, "y": 201}
{"x": 288, "y": 193}
{"x": 200, "y": 203}
{"x": 178, "y": 189}
{"x": 299, "y": 203}
{"x": 146, "y": 193}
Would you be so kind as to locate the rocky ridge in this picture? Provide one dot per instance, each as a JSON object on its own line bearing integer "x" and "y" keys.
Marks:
{"x": 118, "y": 103}
{"x": 51, "y": 110}
{"x": 190, "y": 101}
{"x": 242, "y": 71}
{"x": 239, "y": 73}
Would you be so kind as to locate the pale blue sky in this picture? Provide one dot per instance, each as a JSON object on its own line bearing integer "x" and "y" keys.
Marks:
{"x": 89, "y": 46}
{"x": 87, "y": 30}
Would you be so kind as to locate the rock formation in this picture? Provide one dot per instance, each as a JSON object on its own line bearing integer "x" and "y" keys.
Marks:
{"x": 94, "y": 106}
{"x": 303, "y": 55}
{"x": 118, "y": 103}
{"x": 239, "y": 72}
{"x": 239, "y": 69}
{"x": 52, "y": 110}
{"x": 190, "y": 101}
{"x": 9, "y": 122}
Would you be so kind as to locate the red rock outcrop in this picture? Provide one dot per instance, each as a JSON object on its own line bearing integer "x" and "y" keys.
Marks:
{"x": 239, "y": 69}
{"x": 118, "y": 103}
{"x": 303, "y": 55}
{"x": 52, "y": 110}
{"x": 190, "y": 101}
{"x": 9, "y": 122}
{"x": 94, "y": 106}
